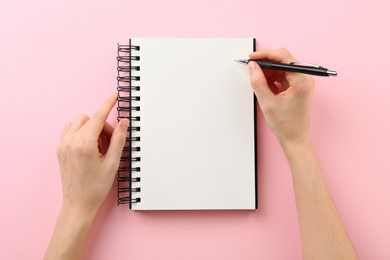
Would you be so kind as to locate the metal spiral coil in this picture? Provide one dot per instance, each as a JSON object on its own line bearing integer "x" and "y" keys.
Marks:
{"x": 127, "y": 108}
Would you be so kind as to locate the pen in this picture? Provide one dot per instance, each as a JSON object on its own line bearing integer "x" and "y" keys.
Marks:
{"x": 305, "y": 68}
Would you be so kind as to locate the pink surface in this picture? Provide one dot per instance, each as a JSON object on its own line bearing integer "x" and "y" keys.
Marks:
{"x": 57, "y": 60}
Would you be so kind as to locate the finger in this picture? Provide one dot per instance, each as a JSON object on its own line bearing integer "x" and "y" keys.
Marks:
{"x": 117, "y": 142}
{"x": 66, "y": 129}
{"x": 107, "y": 129}
{"x": 278, "y": 55}
{"x": 96, "y": 124}
{"x": 78, "y": 123}
{"x": 104, "y": 138}
{"x": 103, "y": 143}
{"x": 259, "y": 83}
{"x": 283, "y": 56}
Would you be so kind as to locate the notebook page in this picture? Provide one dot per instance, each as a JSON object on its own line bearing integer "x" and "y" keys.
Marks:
{"x": 197, "y": 125}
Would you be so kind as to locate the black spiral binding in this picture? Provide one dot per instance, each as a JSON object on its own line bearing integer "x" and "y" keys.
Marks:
{"x": 128, "y": 106}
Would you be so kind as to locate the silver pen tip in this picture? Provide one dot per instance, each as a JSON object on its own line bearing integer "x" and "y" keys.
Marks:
{"x": 331, "y": 73}
{"x": 241, "y": 61}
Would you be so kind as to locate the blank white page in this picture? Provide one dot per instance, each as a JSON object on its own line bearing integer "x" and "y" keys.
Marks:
{"x": 197, "y": 125}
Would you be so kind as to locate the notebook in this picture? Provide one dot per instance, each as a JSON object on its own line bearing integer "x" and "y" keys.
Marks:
{"x": 191, "y": 143}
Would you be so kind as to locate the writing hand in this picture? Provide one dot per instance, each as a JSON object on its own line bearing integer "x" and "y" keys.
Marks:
{"x": 284, "y": 97}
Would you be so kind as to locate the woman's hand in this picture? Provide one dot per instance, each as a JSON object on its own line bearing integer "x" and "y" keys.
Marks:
{"x": 89, "y": 155}
{"x": 284, "y": 97}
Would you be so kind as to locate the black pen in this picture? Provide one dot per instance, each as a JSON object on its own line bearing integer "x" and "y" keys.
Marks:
{"x": 305, "y": 68}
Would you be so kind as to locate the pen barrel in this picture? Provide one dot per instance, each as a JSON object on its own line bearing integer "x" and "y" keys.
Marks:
{"x": 293, "y": 68}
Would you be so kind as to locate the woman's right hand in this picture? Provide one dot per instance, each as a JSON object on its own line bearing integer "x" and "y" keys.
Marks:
{"x": 284, "y": 97}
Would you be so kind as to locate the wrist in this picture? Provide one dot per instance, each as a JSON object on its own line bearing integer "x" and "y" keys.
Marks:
{"x": 78, "y": 212}
{"x": 70, "y": 232}
{"x": 297, "y": 146}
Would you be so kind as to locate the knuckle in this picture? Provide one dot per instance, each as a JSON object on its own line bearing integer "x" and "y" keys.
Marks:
{"x": 65, "y": 129}
{"x": 284, "y": 51}
{"x": 305, "y": 84}
{"x": 84, "y": 148}
{"x": 83, "y": 117}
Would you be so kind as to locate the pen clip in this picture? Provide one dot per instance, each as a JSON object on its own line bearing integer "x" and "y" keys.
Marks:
{"x": 307, "y": 64}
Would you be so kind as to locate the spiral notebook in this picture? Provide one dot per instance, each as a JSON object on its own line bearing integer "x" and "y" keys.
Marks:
{"x": 192, "y": 139}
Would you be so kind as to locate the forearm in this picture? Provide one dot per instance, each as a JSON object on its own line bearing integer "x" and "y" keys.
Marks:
{"x": 69, "y": 234}
{"x": 322, "y": 233}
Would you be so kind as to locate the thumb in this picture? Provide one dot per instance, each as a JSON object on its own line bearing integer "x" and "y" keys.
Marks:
{"x": 259, "y": 82}
{"x": 117, "y": 142}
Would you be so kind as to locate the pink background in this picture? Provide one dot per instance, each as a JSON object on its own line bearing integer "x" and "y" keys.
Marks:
{"x": 57, "y": 60}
